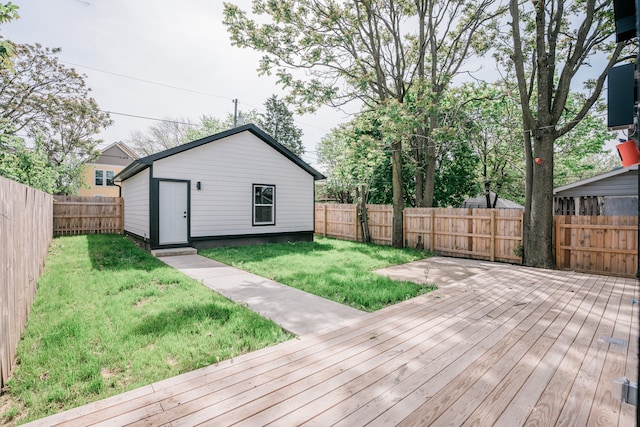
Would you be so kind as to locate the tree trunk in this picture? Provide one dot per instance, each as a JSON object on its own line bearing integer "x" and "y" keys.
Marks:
{"x": 538, "y": 250}
{"x": 398, "y": 197}
{"x": 528, "y": 184}
{"x": 430, "y": 164}
{"x": 420, "y": 163}
{"x": 363, "y": 216}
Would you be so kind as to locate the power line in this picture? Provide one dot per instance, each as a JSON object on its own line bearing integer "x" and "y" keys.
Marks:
{"x": 148, "y": 118}
{"x": 147, "y": 81}
{"x": 182, "y": 89}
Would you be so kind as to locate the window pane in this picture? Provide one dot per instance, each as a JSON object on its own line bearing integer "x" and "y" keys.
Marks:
{"x": 110, "y": 175}
{"x": 98, "y": 176}
{"x": 263, "y": 195}
{"x": 267, "y": 195}
{"x": 264, "y": 214}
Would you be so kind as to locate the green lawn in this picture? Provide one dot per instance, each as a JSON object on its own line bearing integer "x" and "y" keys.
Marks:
{"x": 108, "y": 317}
{"x": 334, "y": 269}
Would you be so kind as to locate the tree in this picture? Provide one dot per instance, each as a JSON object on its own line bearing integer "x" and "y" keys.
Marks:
{"x": 51, "y": 103}
{"x": 551, "y": 41}
{"x": 373, "y": 51}
{"x": 357, "y": 43}
{"x": 160, "y": 136}
{"x": 21, "y": 164}
{"x": 278, "y": 122}
{"x": 172, "y": 132}
{"x": 8, "y": 12}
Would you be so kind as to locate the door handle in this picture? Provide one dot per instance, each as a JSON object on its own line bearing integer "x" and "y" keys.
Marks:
{"x": 185, "y": 214}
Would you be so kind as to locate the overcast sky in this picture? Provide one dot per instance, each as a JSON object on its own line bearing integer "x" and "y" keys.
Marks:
{"x": 182, "y": 44}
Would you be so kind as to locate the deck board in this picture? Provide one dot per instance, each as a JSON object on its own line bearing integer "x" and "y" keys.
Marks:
{"x": 509, "y": 346}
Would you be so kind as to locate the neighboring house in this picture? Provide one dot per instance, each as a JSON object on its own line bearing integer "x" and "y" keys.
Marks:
{"x": 98, "y": 175}
{"x": 612, "y": 193}
{"x": 481, "y": 202}
{"x": 235, "y": 187}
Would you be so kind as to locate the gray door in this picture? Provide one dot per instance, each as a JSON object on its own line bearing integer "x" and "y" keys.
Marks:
{"x": 173, "y": 211}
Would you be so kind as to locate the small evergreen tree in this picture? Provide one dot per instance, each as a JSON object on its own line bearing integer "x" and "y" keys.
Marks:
{"x": 278, "y": 122}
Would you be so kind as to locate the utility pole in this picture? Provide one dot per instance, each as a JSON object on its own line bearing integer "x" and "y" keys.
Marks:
{"x": 235, "y": 112}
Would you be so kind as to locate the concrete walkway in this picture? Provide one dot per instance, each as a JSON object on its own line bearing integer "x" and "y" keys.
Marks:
{"x": 294, "y": 310}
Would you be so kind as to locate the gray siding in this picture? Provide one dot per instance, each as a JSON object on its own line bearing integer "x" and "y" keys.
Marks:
{"x": 625, "y": 184}
{"x": 227, "y": 169}
{"x": 135, "y": 192}
{"x": 114, "y": 156}
{"x": 626, "y": 206}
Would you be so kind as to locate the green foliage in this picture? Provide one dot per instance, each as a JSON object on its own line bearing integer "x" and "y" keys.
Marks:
{"x": 109, "y": 317}
{"x": 8, "y": 12}
{"x": 333, "y": 269}
{"x": 352, "y": 153}
{"x": 27, "y": 166}
{"x": 278, "y": 122}
{"x": 456, "y": 177}
{"x": 51, "y": 103}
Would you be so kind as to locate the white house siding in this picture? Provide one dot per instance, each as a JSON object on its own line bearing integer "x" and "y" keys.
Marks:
{"x": 227, "y": 170}
{"x": 135, "y": 192}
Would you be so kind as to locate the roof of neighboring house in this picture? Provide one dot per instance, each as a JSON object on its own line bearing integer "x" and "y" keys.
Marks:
{"x": 621, "y": 182}
{"x": 481, "y": 202}
{"x": 144, "y": 162}
{"x": 117, "y": 153}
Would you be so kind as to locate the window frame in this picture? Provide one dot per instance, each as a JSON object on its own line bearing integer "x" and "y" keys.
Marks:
{"x": 109, "y": 181}
{"x": 255, "y": 205}
{"x": 105, "y": 181}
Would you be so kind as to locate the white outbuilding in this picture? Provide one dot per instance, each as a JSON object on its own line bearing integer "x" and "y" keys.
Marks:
{"x": 235, "y": 187}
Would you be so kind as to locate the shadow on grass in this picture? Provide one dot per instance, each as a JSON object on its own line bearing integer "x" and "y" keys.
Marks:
{"x": 117, "y": 252}
{"x": 271, "y": 250}
{"x": 176, "y": 320}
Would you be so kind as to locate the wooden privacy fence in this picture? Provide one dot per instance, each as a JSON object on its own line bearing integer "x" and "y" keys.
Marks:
{"x": 490, "y": 234}
{"x": 598, "y": 244}
{"x": 25, "y": 234}
{"x": 74, "y": 215}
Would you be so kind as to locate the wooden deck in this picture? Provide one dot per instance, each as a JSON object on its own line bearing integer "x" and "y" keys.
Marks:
{"x": 512, "y": 346}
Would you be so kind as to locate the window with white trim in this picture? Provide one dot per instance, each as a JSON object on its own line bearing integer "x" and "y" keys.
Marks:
{"x": 264, "y": 205}
{"x": 103, "y": 178}
{"x": 99, "y": 177}
{"x": 109, "y": 176}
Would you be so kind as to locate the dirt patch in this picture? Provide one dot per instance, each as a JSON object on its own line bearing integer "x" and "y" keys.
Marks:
{"x": 439, "y": 271}
{"x": 11, "y": 412}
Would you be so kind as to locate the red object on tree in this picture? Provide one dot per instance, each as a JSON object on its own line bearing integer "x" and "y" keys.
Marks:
{"x": 629, "y": 153}
{"x": 538, "y": 161}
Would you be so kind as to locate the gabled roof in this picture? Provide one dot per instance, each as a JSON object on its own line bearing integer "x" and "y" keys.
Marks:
{"x": 596, "y": 178}
{"x": 144, "y": 162}
{"x": 123, "y": 147}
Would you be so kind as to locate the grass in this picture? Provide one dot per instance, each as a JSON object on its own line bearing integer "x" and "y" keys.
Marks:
{"x": 333, "y": 269}
{"x": 108, "y": 317}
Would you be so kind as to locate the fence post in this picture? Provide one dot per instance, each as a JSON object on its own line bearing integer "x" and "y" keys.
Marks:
{"x": 432, "y": 237}
{"x": 558, "y": 220}
{"x": 493, "y": 235}
{"x": 404, "y": 228}
{"x": 355, "y": 222}
{"x": 324, "y": 221}
{"x": 121, "y": 207}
